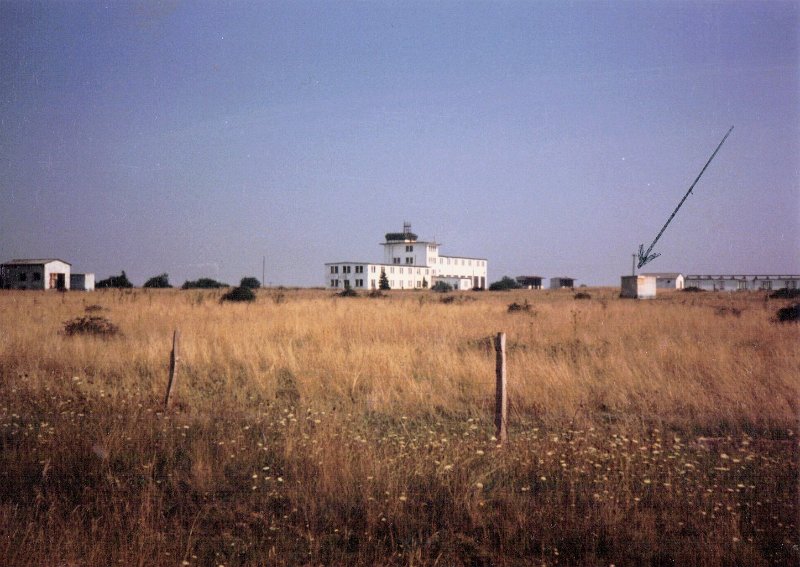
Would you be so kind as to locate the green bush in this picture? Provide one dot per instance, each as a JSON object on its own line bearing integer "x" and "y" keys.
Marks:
{"x": 504, "y": 284}
{"x": 239, "y": 294}
{"x": 160, "y": 281}
{"x": 442, "y": 287}
{"x": 203, "y": 283}
{"x": 250, "y": 282}
{"x": 120, "y": 281}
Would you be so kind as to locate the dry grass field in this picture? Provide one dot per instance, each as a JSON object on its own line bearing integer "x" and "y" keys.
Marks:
{"x": 309, "y": 429}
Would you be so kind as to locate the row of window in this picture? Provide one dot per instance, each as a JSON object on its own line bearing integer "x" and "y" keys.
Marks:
{"x": 360, "y": 283}
{"x": 468, "y": 261}
{"x": 35, "y": 276}
{"x": 360, "y": 270}
{"x": 743, "y": 285}
{"x": 346, "y": 269}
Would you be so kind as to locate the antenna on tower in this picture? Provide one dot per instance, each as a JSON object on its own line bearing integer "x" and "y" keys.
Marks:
{"x": 406, "y": 229}
{"x": 645, "y": 256}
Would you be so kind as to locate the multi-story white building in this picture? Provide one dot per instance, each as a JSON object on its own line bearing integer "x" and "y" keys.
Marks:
{"x": 408, "y": 264}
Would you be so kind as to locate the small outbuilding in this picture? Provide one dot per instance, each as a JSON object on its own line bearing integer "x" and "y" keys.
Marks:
{"x": 642, "y": 286}
{"x": 48, "y": 273}
{"x": 530, "y": 282}
{"x": 81, "y": 282}
{"x": 668, "y": 280}
{"x": 562, "y": 283}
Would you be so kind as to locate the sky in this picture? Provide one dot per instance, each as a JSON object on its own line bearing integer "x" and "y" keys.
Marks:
{"x": 551, "y": 138}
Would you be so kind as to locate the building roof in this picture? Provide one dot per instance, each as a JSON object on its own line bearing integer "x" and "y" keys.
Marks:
{"x": 671, "y": 275}
{"x": 562, "y": 278}
{"x": 743, "y": 277}
{"x": 33, "y": 262}
{"x": 529, "y": 277}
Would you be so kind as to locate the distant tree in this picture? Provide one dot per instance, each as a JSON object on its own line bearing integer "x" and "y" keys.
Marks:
{"x": 424, "y": 283}
{"x": 383, "y": 281}
{"x": 120, "y": 281}
{"x": 504, "y": 284}
{"x": 251, "y": 283}
{"x": 203, "y": 283}
{"x": 159, "y": 281}
{"x": 442, "y": 287}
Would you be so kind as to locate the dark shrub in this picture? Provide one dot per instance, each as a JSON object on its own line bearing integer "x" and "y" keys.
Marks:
{"x": 504, "y": 284}
{"x": 251, "y": 283}
{"x": 92, "y": 325}
{"x": 160, "y": 281}
{"x": 525, "y": 306}
{"x": 582, "y": 295}
{"x": 376, "y": 294}
{"x": 789, "y": 314}
{"x": 120, "y": 281}
{"x": 203, "y": 283}
{"x": 239, "y": 294}
{"x": 349, "y": 292}
{"x": 692, "y": 289}
{"x": 442, "y": 287}
{"x": 785, "y": 293}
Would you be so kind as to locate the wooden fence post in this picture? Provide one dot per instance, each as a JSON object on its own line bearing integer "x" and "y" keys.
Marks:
{"x": 501, "y": 401}
{"x": 173, "y": 367}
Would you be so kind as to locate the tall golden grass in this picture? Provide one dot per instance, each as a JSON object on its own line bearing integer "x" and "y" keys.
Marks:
{"x": 314, "y": 429}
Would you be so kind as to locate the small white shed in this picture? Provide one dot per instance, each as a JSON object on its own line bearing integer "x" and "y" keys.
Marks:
{"x": 81, "y": 282}
{"x": 639, "y": 287}
{"x": 562, "y": 283}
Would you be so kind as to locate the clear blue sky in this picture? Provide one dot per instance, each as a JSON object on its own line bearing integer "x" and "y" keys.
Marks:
{"x": 551, "y": 138}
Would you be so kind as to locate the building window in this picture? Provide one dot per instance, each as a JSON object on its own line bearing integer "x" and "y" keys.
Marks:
{"x": 766, "y": 284}
{"x": 409, "y": 248}
{"x": 359, "y": 269}
{"x": 395, "y": 260}
{"x": 409, "y": 260}
{"x": 372, "y": 269}
{"x": 391, "y": 270}
{"x": 333, "y": 283}
{"x": 37, "y": 276}
{"x": 742, "y": 285}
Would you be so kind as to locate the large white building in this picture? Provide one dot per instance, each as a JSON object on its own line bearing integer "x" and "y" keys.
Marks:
{"x": 408, "y": 264}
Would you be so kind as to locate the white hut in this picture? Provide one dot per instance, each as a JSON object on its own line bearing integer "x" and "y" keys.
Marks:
{"x": 81, "y": 282}
{"x": 639, "y": 287}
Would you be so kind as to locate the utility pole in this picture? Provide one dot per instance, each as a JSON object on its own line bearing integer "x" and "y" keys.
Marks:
{"x": 263, "y": 269}
{"x": 633, "y": 266}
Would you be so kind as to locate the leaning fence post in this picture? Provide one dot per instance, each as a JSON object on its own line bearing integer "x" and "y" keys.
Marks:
{"x": 173, "y": 366}
{"x": 501, "y": 401}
